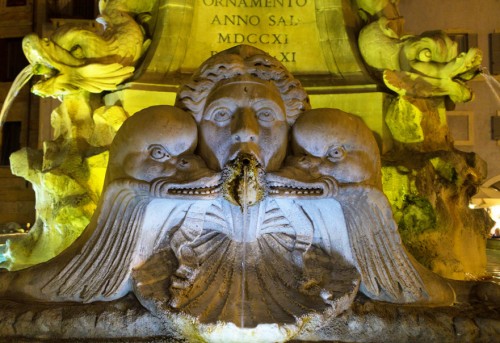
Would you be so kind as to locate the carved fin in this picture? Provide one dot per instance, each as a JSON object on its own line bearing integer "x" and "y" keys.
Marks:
{"x": 386, "y": 270}
{"x": 104, "y": 262}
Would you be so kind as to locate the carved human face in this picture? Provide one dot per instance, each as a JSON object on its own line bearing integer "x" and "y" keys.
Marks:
{"x": 244, "y": 117}
{"x": 336, "y": 144}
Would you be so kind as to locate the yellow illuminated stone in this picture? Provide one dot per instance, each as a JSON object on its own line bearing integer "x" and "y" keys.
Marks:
{"x": 371, "y": 107}
{"x": 279, "y": 27}
{"x": 309, "y": 37}
{"x": 404, "y": 119}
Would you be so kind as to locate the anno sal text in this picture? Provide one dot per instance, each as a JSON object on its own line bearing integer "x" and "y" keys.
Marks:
{"x": 255, "y": 3}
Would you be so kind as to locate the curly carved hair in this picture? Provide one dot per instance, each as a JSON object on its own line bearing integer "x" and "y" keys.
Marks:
{"x": 236, "y": 62}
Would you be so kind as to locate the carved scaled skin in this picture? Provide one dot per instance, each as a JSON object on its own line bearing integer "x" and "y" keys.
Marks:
{"x": 151, "y": 154}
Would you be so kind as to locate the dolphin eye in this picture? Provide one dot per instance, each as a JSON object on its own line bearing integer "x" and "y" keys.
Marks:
{"x": 158, "y": 152}
{"x": 336, "y": 153}
{"x": 425, "y": 55}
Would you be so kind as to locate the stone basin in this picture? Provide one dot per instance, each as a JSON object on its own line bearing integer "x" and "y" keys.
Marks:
{"x": 126, "y": 320}
{"x": 13, "y": 236}
{"x": 4, "y": 237}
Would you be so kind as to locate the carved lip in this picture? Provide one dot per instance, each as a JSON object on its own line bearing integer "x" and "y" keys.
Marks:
{"x": 208, "y": 187}
{"x": 282, "y": 190}
{"x": 290, "y": 184}
{"x": 245, "y": 151}
{"x": 196, "y": 191}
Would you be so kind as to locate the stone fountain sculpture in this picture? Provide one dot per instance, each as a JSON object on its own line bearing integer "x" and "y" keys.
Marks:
{"x": 209, "y": 213}
{"x": 69, "y": 173}
{"x": 239, "y": 209}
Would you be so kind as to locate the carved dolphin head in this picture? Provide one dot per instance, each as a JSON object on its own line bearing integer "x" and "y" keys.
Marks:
{"x": 330, "y": 142}
{"x": 156, "y": 142}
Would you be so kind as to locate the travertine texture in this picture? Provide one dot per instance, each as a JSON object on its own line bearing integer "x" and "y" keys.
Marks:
{"x": 240, "y": 212}
{"x": 366, "y": 321}
{"x": 208, "y": 219}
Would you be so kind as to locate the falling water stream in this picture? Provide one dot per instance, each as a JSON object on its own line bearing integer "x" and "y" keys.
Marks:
{"x": 244, "y": 240}
{"x": 21, "y": 79}
{"x": 492, "y": 83}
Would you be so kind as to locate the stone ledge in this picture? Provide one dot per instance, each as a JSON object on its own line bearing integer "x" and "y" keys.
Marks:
{"x": 367, "y": 321}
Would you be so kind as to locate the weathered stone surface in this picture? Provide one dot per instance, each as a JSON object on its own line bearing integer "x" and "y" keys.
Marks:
{"x": 429, "y": 195}
{"x": 124, "y": 319}
{"x": 366, "y": 321}
{"x": 288, "y": 256}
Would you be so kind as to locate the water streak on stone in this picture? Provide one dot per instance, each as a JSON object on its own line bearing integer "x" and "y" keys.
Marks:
{"x": 244, "y": 240}
{"x": 21, "y": 79}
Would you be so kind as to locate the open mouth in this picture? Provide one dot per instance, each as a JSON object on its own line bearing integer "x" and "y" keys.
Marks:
{"x": 201, "y": 191}
{"x": 207, "y": 187}
{"x": 44, "y": 71}
{"x": 287, "y": 190}
{"x": 281, "y": 186}
{"x": 244, "y": 182}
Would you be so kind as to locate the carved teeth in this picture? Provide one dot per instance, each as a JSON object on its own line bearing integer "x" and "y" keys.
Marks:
{"x": 292, "y": 191}
{"x": 196, "y": 191}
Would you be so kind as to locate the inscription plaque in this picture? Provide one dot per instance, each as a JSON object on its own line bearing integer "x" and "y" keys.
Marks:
{"x": 286, "y": 29}
{"x": 312, "y": 38}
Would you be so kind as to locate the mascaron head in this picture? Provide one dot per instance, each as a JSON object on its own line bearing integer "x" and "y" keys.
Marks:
{"x": 244, "y": 101}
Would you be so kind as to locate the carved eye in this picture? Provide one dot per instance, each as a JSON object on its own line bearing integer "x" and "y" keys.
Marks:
{"x": 265, "y": 115}
{"x": 158, "y": 153}
{"x": 336, "y": 153}
{"x": 221, "y": 114}
{"x": 425, "y": 55}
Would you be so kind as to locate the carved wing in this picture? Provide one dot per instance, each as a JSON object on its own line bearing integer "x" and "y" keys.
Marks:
{"x": 386, "y": 270}
{"x": 101, "y": 268}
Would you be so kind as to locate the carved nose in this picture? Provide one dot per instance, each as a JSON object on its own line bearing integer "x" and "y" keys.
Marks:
{"x": 183, "y": 163}
{"x": 246, "y": 127}
{"x": 169, "y": 166}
